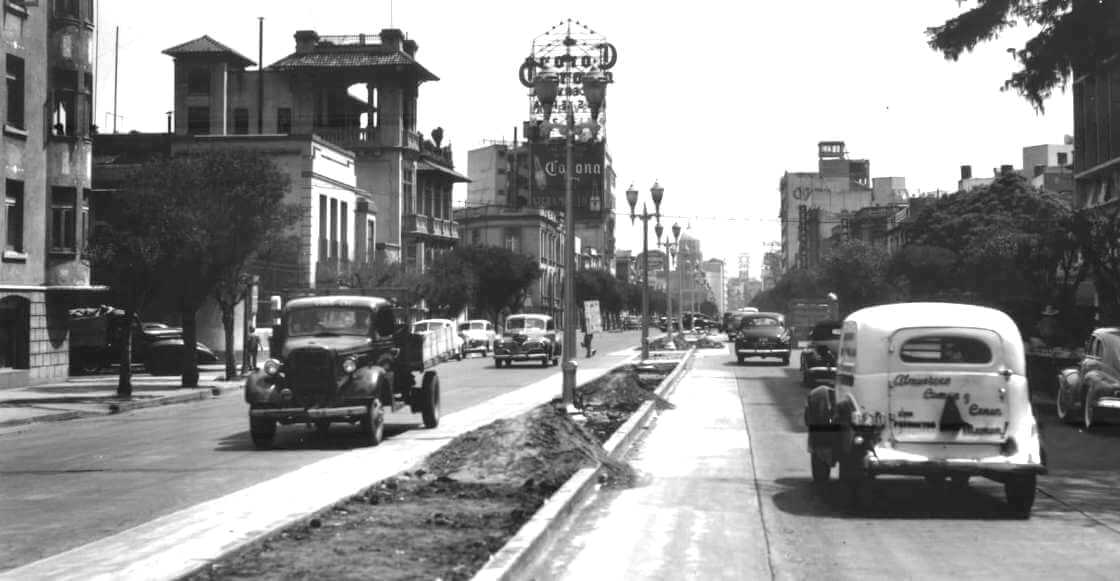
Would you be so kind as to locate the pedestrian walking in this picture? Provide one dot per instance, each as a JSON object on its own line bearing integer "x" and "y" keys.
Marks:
{"x": 587, "y": 338}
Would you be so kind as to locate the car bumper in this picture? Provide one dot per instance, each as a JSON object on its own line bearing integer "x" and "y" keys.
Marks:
{"x": 521, "y": 356}
{"x": 762, "y": 351}
{"x": 1111, "y": 403}
{"x": 297, "y": 415}
{"x": 892, "y": 461}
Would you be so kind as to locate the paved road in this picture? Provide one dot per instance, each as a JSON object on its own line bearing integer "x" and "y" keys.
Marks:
{"x": 912, "y": 530}
{"x": 68, "y": 483}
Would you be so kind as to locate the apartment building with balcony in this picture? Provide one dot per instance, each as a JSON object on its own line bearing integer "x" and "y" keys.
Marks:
{"x": 45, "y": 150}
{"x": 356, "y": 92}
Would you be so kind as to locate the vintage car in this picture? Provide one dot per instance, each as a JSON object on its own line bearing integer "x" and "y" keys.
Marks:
{"x": 528, "y": 337}
{"x": 444, "y": 330}
{"x": 818, "y": 358}
{"x": 96, "y": 334}
{"x": 478, "y": 336}
{"x": 341, "y": 359}
{"x": 927, "y": 389}
{"x": 1090, "y": 390}
{"x": 762, "y": 335}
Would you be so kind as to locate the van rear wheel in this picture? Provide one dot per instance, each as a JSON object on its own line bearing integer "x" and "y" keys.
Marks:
{"x": 821, "y": 469}
{"x": 1020, "y": 492}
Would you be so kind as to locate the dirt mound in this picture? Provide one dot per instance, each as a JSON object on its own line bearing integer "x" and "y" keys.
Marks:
{"x": 541, "y": 448}
{"x": 663, "y": 343}
{"x": 706, "y": 343}
{"x": 623, "y": 389}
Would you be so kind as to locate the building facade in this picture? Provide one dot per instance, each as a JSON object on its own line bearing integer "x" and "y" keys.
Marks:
{"x": 357, "y": 92}
{"x": 531, "y": 231}
{"x": 714, "y": 271}
{"x": 46, "y": 106}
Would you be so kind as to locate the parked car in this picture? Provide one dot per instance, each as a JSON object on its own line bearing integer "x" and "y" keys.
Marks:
{"x": 444, "y": 328}
{"x": 95, "y": 342}
{"x": 762, "y": 335}
{"x": 345, "y": 359}
{"x": 478, "y": 336}
{"x": 927, "y": 389}
{"x": 528, "y": 337}
{"x": 1089, "y": 392}
{"x": 818, "y": 358}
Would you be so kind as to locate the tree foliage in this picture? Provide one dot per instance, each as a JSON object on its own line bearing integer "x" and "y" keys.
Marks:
{"x": 488, "y": 279}
{"x": 1073, "y": 35}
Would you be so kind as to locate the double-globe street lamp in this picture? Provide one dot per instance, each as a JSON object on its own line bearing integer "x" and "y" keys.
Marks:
{"x": 657, "y": 193}
{"x": 546, "y": 88}
{"x": 670, "y": 254}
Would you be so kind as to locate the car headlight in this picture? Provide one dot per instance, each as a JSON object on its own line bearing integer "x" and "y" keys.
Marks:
{"x": 272, "y": 367}
{"x": 349, "y": 365}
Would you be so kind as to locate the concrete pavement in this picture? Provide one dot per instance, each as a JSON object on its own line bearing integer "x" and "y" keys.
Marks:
{"x": 93, "y": 395}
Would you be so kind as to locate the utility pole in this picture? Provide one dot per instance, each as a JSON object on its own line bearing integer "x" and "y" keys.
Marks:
{"x": 116, "y": 62}
{"x": 260, "y": 75}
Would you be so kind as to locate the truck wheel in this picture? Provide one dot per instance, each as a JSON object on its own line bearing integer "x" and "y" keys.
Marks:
{"x": 1020, "y": 491}
{"x": 372, "y": 424}
{"x": 785, "y": 360}
{"x": 429, "y": 399}
{"x": 741, "y": 359}
{"x": 263, "y": 432}
{"x": 821, "y": 469}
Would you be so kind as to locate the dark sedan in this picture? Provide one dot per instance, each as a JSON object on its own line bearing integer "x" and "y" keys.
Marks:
{"x": 763, "y": 335}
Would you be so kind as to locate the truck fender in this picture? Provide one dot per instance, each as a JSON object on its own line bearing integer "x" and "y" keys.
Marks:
{"x": 371, "y": 381}
{"x": 260, "y": 387}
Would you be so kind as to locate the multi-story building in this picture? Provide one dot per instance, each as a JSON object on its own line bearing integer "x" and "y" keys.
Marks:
{"x": 771, "y": 269}
{"x": 357, "y": 92}
{"x": 714, "y": 271}
{"x": 811, "y": 203}
{"x": 46, "y": 108}
{"x": 625, "y": 266}
{"x": 531, "y": 231}
{"x": 1047, "y": 167}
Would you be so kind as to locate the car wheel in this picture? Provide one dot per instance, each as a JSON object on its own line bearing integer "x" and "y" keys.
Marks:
{"x": 322, "y": 426}
{"x": 546, "y": 361}
{"x": 821, "y": 469}
{"x": 1087, "y": 415}
{"x": 372, "y": 425}
{"x": 959, "y": 481}
{"x": 1062, "y": 403}
{"x": 497, "y": 363}
{"x": 741, "y": 359}
{"x": 785, "y": 360}
{"x": 263, "y": 432}
{"x": 1020, "y": 492}
{"x": 429, "y": 397}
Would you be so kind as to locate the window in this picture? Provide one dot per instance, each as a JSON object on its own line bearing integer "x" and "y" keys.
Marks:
{"x": 323, "y": 248}
{"x": 344, "y": 234}
{"x": 63, "y": 226}
{"x": 13, "y": 214}
{"x": 198, "y": 81}
{"x": 66, "y": 8}
{"x": 64, "y": 115}
{"x": 198, "y": 120}
{"x": 240, "y": 121}
{"x": 1063, "y": 158}
{"x": 510, "y": 239}
{"x": 284, "y": 120}
{"x": 939, "y": 349}
{"x": 84, "y": 217}
{"x": 334, "y": 229}
{"x": 371, "y": 240}
{"x": 15, "y": 83}
{"x": 476, "y": 236}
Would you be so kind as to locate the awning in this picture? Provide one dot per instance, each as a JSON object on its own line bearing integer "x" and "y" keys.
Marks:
{"x": 455, "y": 176}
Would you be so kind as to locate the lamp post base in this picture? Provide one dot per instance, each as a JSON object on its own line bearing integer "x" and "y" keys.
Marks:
{"x": 568, "y": 371}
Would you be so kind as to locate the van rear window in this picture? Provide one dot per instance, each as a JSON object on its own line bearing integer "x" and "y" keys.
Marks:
{"x": 945, "y": 349}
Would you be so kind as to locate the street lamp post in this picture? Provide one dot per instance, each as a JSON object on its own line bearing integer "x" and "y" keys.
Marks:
{"x": 656, "y": 192}
{"x": 546, "y": 87}
{"x": 670, "y": 254}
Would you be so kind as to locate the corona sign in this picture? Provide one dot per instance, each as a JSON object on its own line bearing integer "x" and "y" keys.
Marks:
{"x": 568, "y": 49}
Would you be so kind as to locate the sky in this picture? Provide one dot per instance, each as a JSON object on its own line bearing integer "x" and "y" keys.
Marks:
{"x": 714, "y": 100}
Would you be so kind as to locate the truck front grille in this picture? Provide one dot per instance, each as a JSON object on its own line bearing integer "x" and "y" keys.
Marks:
{"x": 310, "y": 371}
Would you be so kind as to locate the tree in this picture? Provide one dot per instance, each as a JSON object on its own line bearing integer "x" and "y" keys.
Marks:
{"x": 1098, "y": 233}
{"x": 857, "y": 272}
{"x": 225, "y": 204}
{"x": 1074, "y": 35}
{"x": 127, "y": 247}
{"x": 489, "y": 279}
{"x": 922, "y": 271}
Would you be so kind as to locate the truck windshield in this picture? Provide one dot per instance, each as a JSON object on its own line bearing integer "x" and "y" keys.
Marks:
{"x": 321, "y": 321}
{"x": 520, "y": 324}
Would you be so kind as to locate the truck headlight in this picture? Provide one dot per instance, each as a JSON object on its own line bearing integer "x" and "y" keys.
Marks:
{"x": 272, "y": 367}
{"x": 349, "y": 365}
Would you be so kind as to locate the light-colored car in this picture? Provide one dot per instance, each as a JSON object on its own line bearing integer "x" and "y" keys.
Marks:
{"x": 445, "y": 329}
{"x": 478, "y": 336}
{"x": 928, "y": 389}
{"x": 1091, "y": 390}
{"x": 528, "y": 337}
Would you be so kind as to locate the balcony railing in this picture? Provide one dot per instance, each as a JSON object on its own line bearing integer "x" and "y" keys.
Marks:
{"x": 422, "y": 225}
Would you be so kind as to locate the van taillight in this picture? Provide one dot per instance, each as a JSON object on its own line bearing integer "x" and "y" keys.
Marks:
{"x": 1009, "y": 447}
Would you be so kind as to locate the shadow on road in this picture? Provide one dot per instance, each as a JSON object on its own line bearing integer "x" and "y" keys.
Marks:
{"x": 893, "y": 498}
{"x": 299, "y": 437}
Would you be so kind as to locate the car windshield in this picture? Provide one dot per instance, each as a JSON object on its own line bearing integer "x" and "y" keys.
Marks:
{"x": 321, "y": 321}
{"x": 752, "y": 322}
{"x": 522, "y": 324}
{"x": 472, "y": 326}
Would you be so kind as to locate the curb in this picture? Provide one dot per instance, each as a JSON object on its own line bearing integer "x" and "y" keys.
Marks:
{"x": 515, "y": 558}
{"x": 196, "y": 394}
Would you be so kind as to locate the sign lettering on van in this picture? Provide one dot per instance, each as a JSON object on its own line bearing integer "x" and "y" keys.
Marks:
{"x": 976, "y": 410}
{"x": 930, "y": 393}
{"x": 907, "y": 379}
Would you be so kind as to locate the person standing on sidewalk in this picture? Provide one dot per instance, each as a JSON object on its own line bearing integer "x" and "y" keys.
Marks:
{"x": 252, "y": 346}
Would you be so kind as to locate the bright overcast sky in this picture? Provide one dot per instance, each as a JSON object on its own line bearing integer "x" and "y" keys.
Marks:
{"x": 714, "y": 99}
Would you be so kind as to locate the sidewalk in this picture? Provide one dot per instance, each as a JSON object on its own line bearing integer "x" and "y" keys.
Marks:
{"x": 696, "y": 514}
{"x": 94, "y": 395}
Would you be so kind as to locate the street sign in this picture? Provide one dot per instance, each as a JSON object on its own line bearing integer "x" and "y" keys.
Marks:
{"x": 594, "y": 319}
